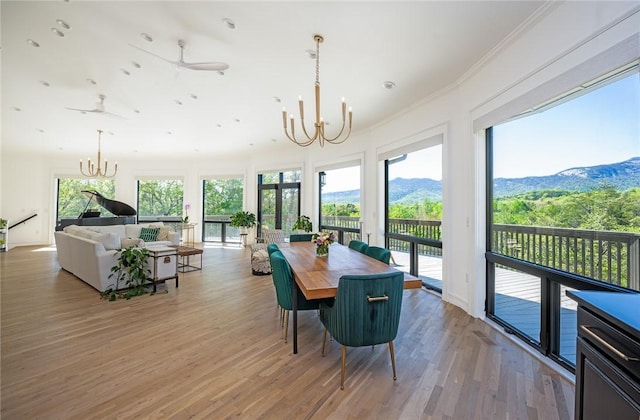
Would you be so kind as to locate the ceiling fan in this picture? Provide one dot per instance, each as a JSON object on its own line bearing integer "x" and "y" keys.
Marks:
{"x": 99, "y": 109}
{"x": 181, "y": 64}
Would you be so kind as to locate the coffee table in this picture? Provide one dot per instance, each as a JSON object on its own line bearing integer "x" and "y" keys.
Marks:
{"x": 185, "y": 253}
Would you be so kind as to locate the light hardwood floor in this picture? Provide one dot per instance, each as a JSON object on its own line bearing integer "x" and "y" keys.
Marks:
{"x": 213, "y": 348}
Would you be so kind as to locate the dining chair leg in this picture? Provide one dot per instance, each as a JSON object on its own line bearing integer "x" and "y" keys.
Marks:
{"x": 344, "y": 362}
{"x": 281, "y": 317}
{"x": 324, "y": 339}
{"x": 393, "y": 359}
{"x": 286, "y": 327}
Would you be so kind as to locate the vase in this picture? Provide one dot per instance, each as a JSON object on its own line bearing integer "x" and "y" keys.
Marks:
{"x": 322, "y": 250}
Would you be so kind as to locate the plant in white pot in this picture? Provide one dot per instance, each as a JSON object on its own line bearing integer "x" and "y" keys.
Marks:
{"x": 303, "y": 224}
{"x": 243, "y": 220}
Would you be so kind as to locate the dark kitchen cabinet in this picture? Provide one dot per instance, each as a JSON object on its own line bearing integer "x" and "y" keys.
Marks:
{"x": 608, "y": 355}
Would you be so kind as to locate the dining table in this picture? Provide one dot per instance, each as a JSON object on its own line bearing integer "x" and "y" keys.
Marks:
{"x": 318, "y": 277}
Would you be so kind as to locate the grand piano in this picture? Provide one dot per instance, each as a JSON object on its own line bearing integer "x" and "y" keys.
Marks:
{"x": 123, "y": 213}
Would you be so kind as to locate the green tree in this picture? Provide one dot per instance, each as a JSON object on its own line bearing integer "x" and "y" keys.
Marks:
{"x": 71, "y": 200}
{"x": 160, "y": 198}
{"x": 223, "y": 197}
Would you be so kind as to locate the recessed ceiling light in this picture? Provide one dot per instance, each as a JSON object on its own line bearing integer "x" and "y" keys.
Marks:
{"x": 136, "y": 65}
{"x": 230, "y": 24}
{"x": 276, "y": 99}
{"x": 62, "y": 23}
{"x": 220, "y": 72}
{"x": 15, "y": 108}
{"x": 137, "y": 111}
{"x": 219, "y": 125}
{"x": 236, "y": 120}
{"x": 169, "y": 133}
{"x": 311, "y": 54}
{"x": 32, "y": 43}
{"x": 44, "y": 83}
{"x": 274, "y": 140}
{"x": 57, "y": 32}
{"x": 193, "y": 96}
{"x": 388, "y": 85}
{"x": 40, "y": 130}
{"x": 125, "y": 72}
{"x": 91, "y": 81}
{"x": 251, "y": 144}
{"x": 177, "y": 102}
{"x": 146, "y": 37}
{"x": 110, "y": 133}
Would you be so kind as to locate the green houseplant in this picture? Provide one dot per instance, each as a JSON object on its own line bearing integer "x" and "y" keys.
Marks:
{"x": 303, "y": 223}
{"x": 131, "y": 269}
{"x": 243, "y": 219}
{"x": 3, "y": 223}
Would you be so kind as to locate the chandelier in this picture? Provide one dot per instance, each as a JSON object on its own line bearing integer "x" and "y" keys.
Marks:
{"x": 318, "y": 133}
{"x": 94, "y": 172}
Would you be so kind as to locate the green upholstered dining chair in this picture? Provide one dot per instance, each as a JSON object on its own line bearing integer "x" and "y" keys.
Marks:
{"x": 300, "y": 237}
{"x": 379, "y": 253}
{"x": 283, "y": 281}
{"x": 366, "y": 312}
{"x": 358, "y": 246}
{"x": 271, "y": 248}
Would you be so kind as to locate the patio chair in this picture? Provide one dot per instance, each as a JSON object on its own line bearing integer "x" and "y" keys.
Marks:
{"x": 259, "y": 255}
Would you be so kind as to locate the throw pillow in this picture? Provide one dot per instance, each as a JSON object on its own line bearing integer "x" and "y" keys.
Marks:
{"x": 128, "y": 242}
{"x": 109, "y": 241}
{"x": 163, "y": 233}
{"x": 149, "y": 234}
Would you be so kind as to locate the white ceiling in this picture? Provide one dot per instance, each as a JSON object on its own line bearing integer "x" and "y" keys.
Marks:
{"x": 423, "y": 47}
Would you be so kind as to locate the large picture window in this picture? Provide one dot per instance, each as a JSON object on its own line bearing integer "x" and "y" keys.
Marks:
{"x": 72, "y": 202}
{"x": 564, "y": 194}
{"x": 222, "y": 198}
{"x": 340, "y": 203}
{"x": 162, "y": 200}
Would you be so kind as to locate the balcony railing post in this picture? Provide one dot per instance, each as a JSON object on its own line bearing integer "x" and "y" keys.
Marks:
{"x": 633, "y": 264}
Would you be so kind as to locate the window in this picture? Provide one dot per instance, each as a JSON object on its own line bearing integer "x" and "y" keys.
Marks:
{"x": 72, "y": 202}
{"x": 161, "y": 200}
{"x": 278, "y": 200}
{"x": 564, "y": 194}
{"x": 414, "y": 211}
{"x": 340, "y": 202}
{"x": 222, "y": 198}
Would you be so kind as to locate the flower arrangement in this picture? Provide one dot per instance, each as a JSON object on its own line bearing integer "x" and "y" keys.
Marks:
{"x": 322, "y": 241}
{"x": 185, "y": 219}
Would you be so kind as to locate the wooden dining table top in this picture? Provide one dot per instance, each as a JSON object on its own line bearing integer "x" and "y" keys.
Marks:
{"x": 318, "y": 277}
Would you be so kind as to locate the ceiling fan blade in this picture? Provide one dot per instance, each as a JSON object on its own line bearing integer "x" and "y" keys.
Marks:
{"x": 114, "y": 115}
{"x": 155, "y": 55}
{"x": 212, "y": 66}
{"x": 83, "y": 110}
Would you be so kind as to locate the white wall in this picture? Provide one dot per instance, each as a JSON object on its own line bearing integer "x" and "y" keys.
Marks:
{"x": 560, "y": 37}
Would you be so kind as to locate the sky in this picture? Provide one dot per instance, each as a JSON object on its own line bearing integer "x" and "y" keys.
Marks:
{"x": 597, "y": 128}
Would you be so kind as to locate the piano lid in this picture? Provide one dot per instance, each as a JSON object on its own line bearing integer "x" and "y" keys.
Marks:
{"x": 118, "y": 208}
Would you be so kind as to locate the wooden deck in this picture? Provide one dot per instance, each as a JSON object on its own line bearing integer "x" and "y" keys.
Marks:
{"x": 517, "y": 300}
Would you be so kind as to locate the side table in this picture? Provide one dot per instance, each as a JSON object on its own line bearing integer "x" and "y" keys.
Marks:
{"x": 163, "y": 264}
{"x": 188, "y": 239}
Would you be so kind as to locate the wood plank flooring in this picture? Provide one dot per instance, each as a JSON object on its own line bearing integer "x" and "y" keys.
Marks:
{"x": 213, "y": 349}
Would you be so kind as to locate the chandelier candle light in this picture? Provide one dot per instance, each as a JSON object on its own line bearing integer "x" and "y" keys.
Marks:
{"x": 319, "y": 133}
{"x": 94, "y": 172}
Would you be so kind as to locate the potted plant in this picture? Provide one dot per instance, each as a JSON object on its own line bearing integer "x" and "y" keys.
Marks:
{"x": 131, "y": 268}
{"x": 303, "y": 223}
{"x": 3, "y": 223}
{"x": 243, "y": 220}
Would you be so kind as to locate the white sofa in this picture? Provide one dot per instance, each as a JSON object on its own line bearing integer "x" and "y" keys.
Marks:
{"x": 89, "y": 252}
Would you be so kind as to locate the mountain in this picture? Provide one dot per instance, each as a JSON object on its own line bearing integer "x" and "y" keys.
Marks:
{"x": 621, "y": 175}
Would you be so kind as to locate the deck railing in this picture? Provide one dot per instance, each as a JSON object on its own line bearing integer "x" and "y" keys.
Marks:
{"x": 611, "y": 257}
